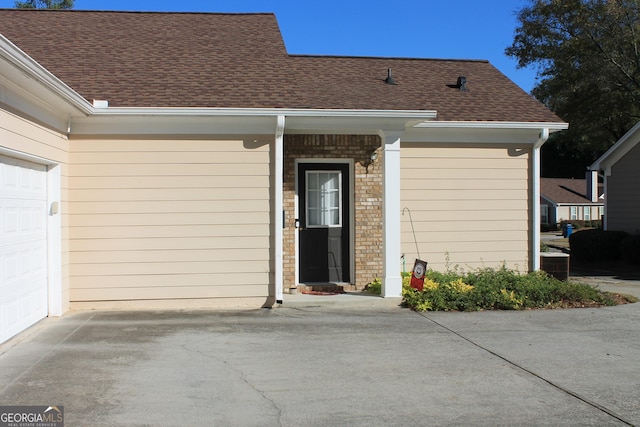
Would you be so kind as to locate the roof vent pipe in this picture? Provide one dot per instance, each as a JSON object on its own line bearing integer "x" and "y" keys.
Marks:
{"x": 462, "y": 83}
{"x": 389, "y": 80}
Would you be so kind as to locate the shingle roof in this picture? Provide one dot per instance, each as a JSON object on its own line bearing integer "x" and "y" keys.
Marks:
{"x": 151, "y": 59}
{"x": 567, "y": 191}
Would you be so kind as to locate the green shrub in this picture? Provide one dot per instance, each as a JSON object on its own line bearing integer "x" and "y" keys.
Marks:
{"x": 374, "y": 287}
{"x": 498, "y": 289}
{"x": 592, "y": 245}
{"x": 630, "y": 248}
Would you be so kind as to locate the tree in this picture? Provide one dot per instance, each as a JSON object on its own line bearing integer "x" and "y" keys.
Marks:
{"x": 44, "y": 4}
{"x": 587, "y": 54}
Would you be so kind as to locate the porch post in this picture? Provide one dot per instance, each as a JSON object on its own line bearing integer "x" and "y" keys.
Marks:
{"x": 278, "y": 217}
{"x": 535, "y": 238}
{"x": 392, "y": 280}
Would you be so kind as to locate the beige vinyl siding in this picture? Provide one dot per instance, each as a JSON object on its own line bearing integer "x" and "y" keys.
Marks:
{"x": 24, "y": 136}
{"x": 623, "y": 193}
{"x": 169, "y": 219}
{"x": 469, "y": 205}
{"x": 564, "y": 213}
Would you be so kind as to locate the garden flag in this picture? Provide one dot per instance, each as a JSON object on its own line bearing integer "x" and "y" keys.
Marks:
{"x": 417, "y": 275}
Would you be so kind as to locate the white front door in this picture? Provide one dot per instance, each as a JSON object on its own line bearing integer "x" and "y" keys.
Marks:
{"x": 23, "y": 245}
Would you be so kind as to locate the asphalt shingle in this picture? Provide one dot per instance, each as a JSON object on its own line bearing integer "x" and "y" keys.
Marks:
{"x": 151, "y": 59}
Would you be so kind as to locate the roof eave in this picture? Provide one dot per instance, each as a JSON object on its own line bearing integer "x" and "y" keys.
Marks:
{"x": 417, "y": 124}
{"x": 27, "y": 75}
{"x": 617, "y": 150}
{"x": 245, "y": 120}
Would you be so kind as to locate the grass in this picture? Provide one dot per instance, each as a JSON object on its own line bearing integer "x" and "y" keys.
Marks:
{"x": 499, "y": 289}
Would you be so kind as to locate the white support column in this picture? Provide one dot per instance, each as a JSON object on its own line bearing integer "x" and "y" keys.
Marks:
{"x": 535, "y": 176}
{"x": 392, "y": 280}
{"x": 278, "y": 214}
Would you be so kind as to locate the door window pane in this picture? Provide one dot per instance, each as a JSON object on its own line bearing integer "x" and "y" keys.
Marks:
{"x": 323, "y": 198}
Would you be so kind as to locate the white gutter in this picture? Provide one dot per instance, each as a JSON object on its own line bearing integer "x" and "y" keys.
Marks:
{"x": 264, "y": 112}
{"x": 493, "y": 125}
{"x": 279, "y": 207}
{"x": 544, "y": 135}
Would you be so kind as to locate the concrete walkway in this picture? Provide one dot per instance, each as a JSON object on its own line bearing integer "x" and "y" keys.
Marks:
{"x": 320, "y": 361}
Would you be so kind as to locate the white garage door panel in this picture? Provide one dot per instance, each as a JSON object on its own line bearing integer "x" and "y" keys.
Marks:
{"x": 23, "y": 245}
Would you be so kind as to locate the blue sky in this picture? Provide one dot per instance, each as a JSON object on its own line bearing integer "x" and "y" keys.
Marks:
{"x": 462, "y": 29}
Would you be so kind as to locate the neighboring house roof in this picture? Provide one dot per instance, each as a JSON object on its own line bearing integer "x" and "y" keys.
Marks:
{"x": 150, "y": 59}
{"x": 568, "y": 191}
{"x": 617, "y": 151}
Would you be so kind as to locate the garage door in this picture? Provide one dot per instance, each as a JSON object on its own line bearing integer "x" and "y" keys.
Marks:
{"x": 23, "y": 245}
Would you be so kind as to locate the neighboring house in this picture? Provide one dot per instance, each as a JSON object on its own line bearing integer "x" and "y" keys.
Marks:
{"x": 180, "y": 160}
{"x": 567, "y": 199}
{"x": 621, "y": 168}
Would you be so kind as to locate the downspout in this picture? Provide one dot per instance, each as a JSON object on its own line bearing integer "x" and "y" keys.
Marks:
{"x": 542, "y": 138}
{"x": 278, "y": 208}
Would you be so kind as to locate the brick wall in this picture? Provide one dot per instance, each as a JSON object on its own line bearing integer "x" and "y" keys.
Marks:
{"x": 367, "y": 200}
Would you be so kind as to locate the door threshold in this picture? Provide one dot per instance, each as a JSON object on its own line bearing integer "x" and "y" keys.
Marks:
{"x": 326, "y": 287}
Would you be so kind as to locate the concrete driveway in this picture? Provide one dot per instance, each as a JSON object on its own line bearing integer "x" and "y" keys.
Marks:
{"x": 331, "y": 362}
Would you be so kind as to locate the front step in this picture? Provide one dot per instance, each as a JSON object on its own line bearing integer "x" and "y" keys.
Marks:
{"x": 326, "y": 288}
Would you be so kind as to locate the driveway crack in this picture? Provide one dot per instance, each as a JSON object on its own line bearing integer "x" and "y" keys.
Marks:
{"x": 532, "y": 373}
{"x": 244, "y": 379}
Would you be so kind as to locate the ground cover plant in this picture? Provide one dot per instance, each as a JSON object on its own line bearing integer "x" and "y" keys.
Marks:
{"x": 500, "y": 289}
